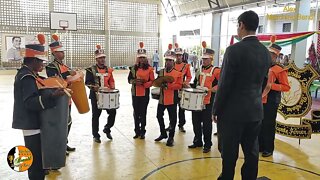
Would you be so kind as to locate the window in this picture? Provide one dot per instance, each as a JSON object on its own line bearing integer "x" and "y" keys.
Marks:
{"x": 286, "y": 27}
{"x": 260, "y": 29}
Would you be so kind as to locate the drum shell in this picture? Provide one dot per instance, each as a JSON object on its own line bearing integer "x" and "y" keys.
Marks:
{"x": 108, "y": 99}
{"x": 192, "y": 101}
{"x": 79, "y": 95}
{"x": 155, "y": 93}
{"x": 54, "y": 130}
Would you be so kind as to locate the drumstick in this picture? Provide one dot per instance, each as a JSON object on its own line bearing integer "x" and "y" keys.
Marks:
{"x": 65, "y": 91}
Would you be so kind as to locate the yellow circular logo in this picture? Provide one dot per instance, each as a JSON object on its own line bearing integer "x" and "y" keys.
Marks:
{"x": 20, "y": 158}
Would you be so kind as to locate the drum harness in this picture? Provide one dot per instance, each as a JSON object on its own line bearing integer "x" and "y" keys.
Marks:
{"x": 205, "y": 75}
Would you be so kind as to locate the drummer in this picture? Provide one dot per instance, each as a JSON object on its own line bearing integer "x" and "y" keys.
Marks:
{"x": 58, "y": 68}
{"x": 205, "y": 79}
{"x": 28, "y": 103}
{"x": 93, "y": 82}
{"x": 169, "y": 97}
{"x": 141, "y": 77}
{"x": 184, "y": 68}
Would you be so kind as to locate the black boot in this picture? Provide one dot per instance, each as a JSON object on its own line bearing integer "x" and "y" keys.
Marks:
{"x": 181, "y": 129}
{"x": 162, "y": 136}
{"x": 170, "y": 142}
{"x": 142, "y": 136}
{"x": 135, "y": 136}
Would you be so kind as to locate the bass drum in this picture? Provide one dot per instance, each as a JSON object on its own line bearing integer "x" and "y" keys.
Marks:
{"x": 53, "y": 127}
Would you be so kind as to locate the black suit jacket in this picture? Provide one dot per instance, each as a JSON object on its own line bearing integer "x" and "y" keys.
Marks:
{"x": 244, "y": 70}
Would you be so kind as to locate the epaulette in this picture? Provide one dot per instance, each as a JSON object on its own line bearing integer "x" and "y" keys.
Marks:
{"x": 51, "y": 66}
{"x": 26, "y": 75}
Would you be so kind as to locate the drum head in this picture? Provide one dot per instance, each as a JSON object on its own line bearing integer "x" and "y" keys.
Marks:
{"x": 106, "y": 90}
{"x": 193, "y": 90}
{"x": 155, "y": 91}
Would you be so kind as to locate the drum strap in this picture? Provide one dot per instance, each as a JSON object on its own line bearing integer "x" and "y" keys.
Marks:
{"x": 161, "y": 73}
{"x": 182, "y": 69}
{"x": 94, "y": 71}
{"x": 205, "y": 75}
{"x": 133, "y": 71}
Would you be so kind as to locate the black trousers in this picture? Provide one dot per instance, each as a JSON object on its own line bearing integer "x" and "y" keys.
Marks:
{"x": 69, "y": 121}
{"x": 182, "y": 117}
{"x": 172, "y": 111}
{"x": 140, "y": 105}
{"x": 36, "y": 171}
{"x": 268, "y": 128}
{"x": 96, "y": 115}
{"x": 230, "y": 135}
{"x": 202, "y": 124}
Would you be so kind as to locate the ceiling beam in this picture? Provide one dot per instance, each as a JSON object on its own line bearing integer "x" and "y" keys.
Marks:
{"x": 216, "y": 2}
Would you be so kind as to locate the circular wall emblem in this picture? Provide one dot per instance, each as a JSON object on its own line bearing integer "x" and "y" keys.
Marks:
{"x": 293, "y": 96}
{"x": 20, "y": 158}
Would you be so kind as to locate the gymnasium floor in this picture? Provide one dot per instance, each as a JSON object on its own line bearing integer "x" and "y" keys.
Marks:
{"x": 126, "y": 158}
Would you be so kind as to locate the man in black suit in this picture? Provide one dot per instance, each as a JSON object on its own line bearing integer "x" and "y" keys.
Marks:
{"x": 238, "y": 109}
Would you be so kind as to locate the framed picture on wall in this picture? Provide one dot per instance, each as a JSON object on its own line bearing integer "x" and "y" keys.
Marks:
{"x": 13, "y": 47}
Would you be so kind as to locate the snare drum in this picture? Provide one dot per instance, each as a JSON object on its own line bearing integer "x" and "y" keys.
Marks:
{"x": 108, "y": 99}
{"x": 192, "y": 99}
{"x": 155, "y": 93}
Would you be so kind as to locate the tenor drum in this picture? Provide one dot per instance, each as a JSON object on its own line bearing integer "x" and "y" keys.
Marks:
{"x": 155, "y": 93}
{"x": 192, "y": 99}
{"x": 108, "y": 99}
{"x": 79, "y": 95}
{"x": 54, "y": 130}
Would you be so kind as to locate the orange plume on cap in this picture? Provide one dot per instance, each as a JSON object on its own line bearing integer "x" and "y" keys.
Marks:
{"x": 98, "y": 46}
{"x": 41, "y": 39}
{"x": 176, "y": 45}
{"x": 55, "y": 37}
{"x": 170, "y": 46}
{"x": 204, "y": 44}
{"x": 141, "y": 45}
{"x": 273, "y": 39}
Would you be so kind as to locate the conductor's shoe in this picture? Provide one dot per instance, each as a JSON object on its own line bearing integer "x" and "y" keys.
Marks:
{"x": 70, "y": 148}
{"x": 109, "y": 136}
{"x": 266, "y": 154}
{"x": 142, "y": 136}
{"x": 206, "y": 149}
{"x": 161, "y": 137}
{"x": 194, "y": 146}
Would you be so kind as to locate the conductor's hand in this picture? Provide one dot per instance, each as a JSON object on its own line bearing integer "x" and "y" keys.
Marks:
{"x": 58, "y": 92}
{"x": 72, "y": 72}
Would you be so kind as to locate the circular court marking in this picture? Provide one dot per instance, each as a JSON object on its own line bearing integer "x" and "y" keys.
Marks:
{"x": 181, "y": 161}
